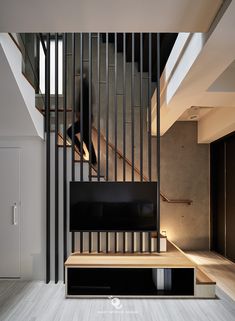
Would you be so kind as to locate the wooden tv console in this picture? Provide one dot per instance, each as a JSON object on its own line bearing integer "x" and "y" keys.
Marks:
{"x": 170, "y": 273}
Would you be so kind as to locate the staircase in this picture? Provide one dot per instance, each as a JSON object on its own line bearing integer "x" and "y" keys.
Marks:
{"x": 112, "y": 242}
{"x": 133, "y": 118}
{"x": 167, "y": 41}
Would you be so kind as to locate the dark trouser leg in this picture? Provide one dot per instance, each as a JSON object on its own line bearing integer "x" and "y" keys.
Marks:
{"x": 76, "y": 131}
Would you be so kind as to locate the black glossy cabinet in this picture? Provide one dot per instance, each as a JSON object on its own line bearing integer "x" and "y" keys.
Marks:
{"x": 129, "y": 282}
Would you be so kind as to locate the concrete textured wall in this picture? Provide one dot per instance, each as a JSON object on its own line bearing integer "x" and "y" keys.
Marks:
{"x": 185, "y": 175}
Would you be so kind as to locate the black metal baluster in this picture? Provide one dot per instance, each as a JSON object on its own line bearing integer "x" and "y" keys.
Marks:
{"x": 107, "y": 104}
{"x": 115, "y": 107}
{"x": 48, "y": 159}
{"x": 115, "y": 124}
{"x": 90, "y": 102}
{"x": 149, "y": 110}
{"x": 37, "y": 64}
{"x": 141, "y": 121}
{"x": 107, "y": 119}
{"x": 98, "y": 125}
{"x": 90, "y": 99}
{"x": 124, "y": 121}
{"x": 73, "y": 118}
{"x": 81, "y": 123}
{"x": 124, "y": 107}
{"x": 141, "y": 241}
{"x": 65, "y": 143}
{"x": 158, "y": 142}
{"x": 98, "y": 106}
{"x": 73, "y": 106}
{"x": 150, "y": 120}
{"x": 56, "y": 166}
{"x": 132, "y": 107}
{"x": 133, "y": 117}
{"x": 141, "y": 107}
{"x": 81, "y": 106}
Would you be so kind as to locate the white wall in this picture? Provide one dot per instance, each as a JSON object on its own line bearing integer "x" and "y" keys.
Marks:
{"x": 33, "y": 224}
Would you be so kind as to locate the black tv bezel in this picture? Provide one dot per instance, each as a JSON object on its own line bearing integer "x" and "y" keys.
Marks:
{"x": 143, "y": 186}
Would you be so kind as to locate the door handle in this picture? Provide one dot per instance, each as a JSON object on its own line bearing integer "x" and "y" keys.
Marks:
{"x": 14, "y": 218}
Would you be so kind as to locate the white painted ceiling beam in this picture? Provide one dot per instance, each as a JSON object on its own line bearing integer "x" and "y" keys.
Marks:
{"x": 216, "y": 124}
{"x": 216, "y": 54}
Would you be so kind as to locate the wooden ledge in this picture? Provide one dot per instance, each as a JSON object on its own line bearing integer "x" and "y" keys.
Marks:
{"x": 173, "y": 258}
{"x": 202, "y": 277}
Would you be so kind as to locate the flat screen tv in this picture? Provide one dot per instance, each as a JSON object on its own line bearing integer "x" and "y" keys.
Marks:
{"x": 113, "y": 206}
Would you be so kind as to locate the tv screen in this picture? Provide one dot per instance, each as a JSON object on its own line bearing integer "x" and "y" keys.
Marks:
{"x": 113, "y": 206}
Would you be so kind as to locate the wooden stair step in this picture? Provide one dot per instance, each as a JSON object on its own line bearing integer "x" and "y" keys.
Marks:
{"x": 202, "y": 277}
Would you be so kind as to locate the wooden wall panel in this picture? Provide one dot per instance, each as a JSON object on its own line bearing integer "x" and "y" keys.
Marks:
{"x": 230, "y": 198}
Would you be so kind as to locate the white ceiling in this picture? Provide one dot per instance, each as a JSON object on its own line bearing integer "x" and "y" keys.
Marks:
{"x": 195, "y": 113}
{"x": 107, "y": 15}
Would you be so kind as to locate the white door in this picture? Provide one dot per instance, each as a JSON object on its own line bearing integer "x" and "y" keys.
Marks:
{"x": 9, "y": 212}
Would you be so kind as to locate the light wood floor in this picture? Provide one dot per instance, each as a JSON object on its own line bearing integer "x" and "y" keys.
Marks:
{"x": 218, "y": 268}
{"x": 36, "y": 301}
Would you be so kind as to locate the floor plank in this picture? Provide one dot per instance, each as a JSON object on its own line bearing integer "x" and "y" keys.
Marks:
{"x": 34, "y": 301}
{"x": 218, "y": 268}
{"x": 37, "y": 301}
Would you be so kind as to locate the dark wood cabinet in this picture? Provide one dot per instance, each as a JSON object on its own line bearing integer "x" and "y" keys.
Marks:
{"x": 230, "y": 198}
{"x": 223, "y": 196}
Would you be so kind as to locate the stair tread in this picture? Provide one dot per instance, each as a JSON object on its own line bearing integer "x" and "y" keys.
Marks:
{"x": 202, "y": 277}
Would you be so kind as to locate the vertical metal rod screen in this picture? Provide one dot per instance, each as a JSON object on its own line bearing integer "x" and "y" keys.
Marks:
{"x": 121, "y": 131}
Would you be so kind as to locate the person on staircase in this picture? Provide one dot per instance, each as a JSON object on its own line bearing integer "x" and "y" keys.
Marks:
{"x": 85, "y": 121}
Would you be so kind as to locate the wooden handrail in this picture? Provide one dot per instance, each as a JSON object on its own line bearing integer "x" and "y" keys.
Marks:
{"x": 120, "y": 155}
{"x": 164, "y": 197}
